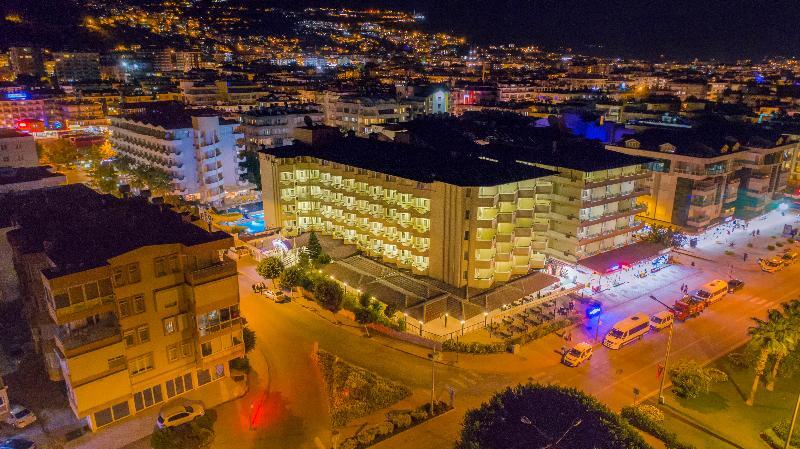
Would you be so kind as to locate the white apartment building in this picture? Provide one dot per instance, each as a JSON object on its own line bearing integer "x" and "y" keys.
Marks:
{"x": 359, "y": 114}
{"x": 17, "y": 149}
{"x": 274, "y": 126}
{"x": 197, "y": 148}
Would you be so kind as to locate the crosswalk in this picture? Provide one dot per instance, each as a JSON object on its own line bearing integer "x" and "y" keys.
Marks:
{"x": 465, "y": 379}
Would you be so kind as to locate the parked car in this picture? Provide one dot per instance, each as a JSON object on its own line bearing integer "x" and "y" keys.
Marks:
{"x": 181, "y": 413}
{"x": 789, "y": 257}
{"x": 735, "y": 285}
{"x": 17, "y": 443}
{"x": 283, "y": 298}
{"x": 771, "y": 265}
{"x": 661, "y": 320}
{"x": 578, "y": 354}
{"x": 20, "y": 417}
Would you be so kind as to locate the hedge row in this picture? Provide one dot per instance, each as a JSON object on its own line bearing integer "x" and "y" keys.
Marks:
{"x": 542, "y": 330}
{"x": 644, "y": 422}
{"x": 474, "y": 347}
{"x": 396, "y": 421}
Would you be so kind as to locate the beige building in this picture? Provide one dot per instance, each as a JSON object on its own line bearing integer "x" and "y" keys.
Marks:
{"x": 469, "y": 217}
{"x": 130, "y": 304}
{"x": 707, "y": 175}
{"x": 17, "y": 149}
{"x": 360, "y": 114}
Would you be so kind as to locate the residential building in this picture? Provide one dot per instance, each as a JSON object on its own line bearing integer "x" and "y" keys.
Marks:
{"x": 709, "y": 174}
{"x": 130, "y": 303}
{"x": 73, "y": 67}
{"x": 197, "y": 148}
{"x": 26, "y": 61}
{"x": 465, "y": 214}
{"x": 172, "y": 60}
{"x": 81, "y": 112}
{"x": 358, "y": 113}
{"x": 220, "y": 92}
{"x": 17, "y": 107}
{"x": 28, "y": 178}
{"x": 17, "y": 149}
{"x": 274, "y": 126}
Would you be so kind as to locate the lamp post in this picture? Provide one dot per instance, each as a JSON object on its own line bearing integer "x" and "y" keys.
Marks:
{"x": 445, "y": 319}
{"x": 666, "y": 356}
{"x": 433, "y": 356}
{"x": 462, "y": 328}
{"x": 420, "y": 328}
{"x": 485, "y": 316}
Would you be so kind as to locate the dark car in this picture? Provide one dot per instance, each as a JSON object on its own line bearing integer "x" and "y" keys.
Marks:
{"x": 734, "y": 285}
{"x": 17, "y": 443}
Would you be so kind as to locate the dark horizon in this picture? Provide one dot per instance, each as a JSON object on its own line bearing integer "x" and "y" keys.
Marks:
{"x": 680, "y": 29}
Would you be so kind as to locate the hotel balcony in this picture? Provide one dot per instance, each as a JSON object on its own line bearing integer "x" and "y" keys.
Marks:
{"x": 487, "y": 201}
{"x": 211, "y": 273}
{"x": 613, "y": 215}
{"x": 62, "y": 315}
{"x": 561, "y": 236}
{"x": 73, "y": 342}
{"x": 618, "y": 197}
{"x": 704, "y": 187}
{"x": 612, "y": 233}
{"x": 592, "y": 183}
{"x": 698, "y": 221}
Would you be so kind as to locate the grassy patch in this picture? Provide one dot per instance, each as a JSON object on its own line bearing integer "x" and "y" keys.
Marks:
{"x": 354, "y": 392}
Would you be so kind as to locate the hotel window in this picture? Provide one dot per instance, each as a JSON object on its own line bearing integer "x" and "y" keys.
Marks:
{"x": 134, "y": 275}
{"x": 169, "y": 325}
{"x": 141, "y": 364}
{"x": 76, "y": 295}
{"x": 124, "y": 308}
{"x": 138, "y": 304}
{"x": 129, "y": 336}
{"x": 144, "y": 333}
{"x": 179, "y": 385}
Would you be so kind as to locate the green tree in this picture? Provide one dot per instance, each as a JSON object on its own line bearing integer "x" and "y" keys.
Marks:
{"x": 767, "y": 338}
{"x": 314, "y": 247}
{"x": 690, "y": 379}
{"x": 538, "y": 416}
{"x": 364, "y": 299}
{"x": 791, "y": 317}
{"x": 251, "y": 165}
{"x": 270, "y": 268}
{"x": 329, "y": 293}
{"x": 57, "y": 152}
{"x": 292, "y": 277}
{"x": 249, "y": 337}
{"x": 105, "y": 177}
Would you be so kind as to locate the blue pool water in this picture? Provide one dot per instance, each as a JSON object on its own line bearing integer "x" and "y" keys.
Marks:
{"x": 253, "y": 224}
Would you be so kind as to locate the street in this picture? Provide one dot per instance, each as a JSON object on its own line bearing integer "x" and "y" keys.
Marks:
{"x": 295, "y": 412}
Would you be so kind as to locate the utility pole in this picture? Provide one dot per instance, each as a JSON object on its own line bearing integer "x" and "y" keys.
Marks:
{"x": 791, "y": 424}
{"x": 433, "y": 357}
{"x": 666, "y": 356}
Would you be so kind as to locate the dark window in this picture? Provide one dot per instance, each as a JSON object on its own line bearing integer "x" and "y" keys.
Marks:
{"x": 148, "y": 397}
{"x": 206, "y": 349}
{"x": 103, "y": 417}
{"x": 91, "y": 290}
{"x": 466, "y": 215}
{"x": 121, "y": 410}
{"x": 187, "y": 381}
{"x": 170, "y": 388}
{"x": 466, "y": 235}
{"x": 62, "y": 300}
{"x": 138, "y": 401}
{"x": 157, "y": 394}
{"x": 203, "y": 377}
{"x": 105, "y": 287}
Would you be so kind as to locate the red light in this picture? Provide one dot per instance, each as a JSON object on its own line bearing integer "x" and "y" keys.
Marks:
{"x": 22, "y": 125}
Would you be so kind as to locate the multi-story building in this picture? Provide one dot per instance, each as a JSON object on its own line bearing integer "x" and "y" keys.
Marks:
{"x": 221, "y": 93}
{"x": 73, "y": 67}
{"x": 197, "y": 148}
{"x": 172, "y": 60}
{"x": 17, "y": 149}
{"x": 81, "y": 112}
{"x": 469, "y": 215}
{"x": 28, "y": 178}
{"x": 130, "y": 304}
{"x": 705, "y": 175}
{"x": 274, "y": 126}
{"x": 26, "y": 61}
{"x": 16, "y": 107}
{"x": 358, "y": 114}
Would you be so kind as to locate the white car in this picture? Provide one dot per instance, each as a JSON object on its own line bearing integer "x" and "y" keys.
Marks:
{"x": 177, "y": 414}
{"x": 20, "y": 417}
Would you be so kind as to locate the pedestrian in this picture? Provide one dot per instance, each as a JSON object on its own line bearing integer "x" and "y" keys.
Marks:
{"x": 745, "y": 257}
{"x": 563, "y": 350}
{"x": 569, "y": 336}
{"x": 758, "y": 231}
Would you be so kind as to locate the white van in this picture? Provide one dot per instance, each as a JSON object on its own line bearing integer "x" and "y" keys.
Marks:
{"x": 632, "y": 328}
{"x": 711, "y": 292}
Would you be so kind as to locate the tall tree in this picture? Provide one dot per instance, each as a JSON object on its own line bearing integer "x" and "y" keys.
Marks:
{"x": 57, "y": 152}
{"x": 270, "y": 267}
{"x": 767, "y": 338}
{"x": 791, "y": 318}
{"x": 314, "y": 247}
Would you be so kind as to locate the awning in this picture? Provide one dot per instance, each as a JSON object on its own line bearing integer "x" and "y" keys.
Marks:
{"x": 621, "y": 258}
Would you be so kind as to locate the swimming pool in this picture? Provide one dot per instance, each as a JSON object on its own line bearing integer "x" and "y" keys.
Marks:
{"x": 253, "y": 224}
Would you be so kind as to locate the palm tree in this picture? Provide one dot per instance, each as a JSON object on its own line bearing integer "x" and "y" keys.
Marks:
{"x": 770, "y": 337}
{"x": 791, "y": 317}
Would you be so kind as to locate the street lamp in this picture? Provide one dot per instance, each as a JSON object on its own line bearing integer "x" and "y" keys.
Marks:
{"x": 666, "y": 356}
{"x": 485, "y": 316}
{"x": 420, "y": 328}
{"x": 462, "y": 328}
{"x": 433, "y": 356}
{"x": 445, "y": 319}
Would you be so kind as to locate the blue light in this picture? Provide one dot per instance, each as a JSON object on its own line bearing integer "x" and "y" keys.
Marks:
{"x": 593, "y": 311}
{"x": 17, "y": 96}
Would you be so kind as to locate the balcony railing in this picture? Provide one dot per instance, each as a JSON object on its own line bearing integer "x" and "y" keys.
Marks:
{"x": 211, "y": 273}
{"x": 77, "y": 341}
{"x": 91, "y": 305}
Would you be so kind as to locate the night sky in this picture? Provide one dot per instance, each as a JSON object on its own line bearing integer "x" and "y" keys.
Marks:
{"x": 726, "y": 29}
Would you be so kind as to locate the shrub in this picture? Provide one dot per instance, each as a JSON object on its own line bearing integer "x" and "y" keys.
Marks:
{"x": 690, "y": 379}
{"x": 270, "y": 268}
{"x": 729, "y": 252}
{"x": 419, "y": 415}
{"x": 749, "y": 245}
{"x": 349, "y": 443}
{"x": 771, "y": 247}
{"x": 779, "y": 244}
{"x": 367, "y": 436}
{"x": 249, "y": 337}
{"x": 451, "y": 345}
{"x": 651, "y": 412}
{"x": 329, "y": 294}
{"x": 323, "y": 259}
{"x": 400, "y": 420}
{"x": 240, "y": 364}
{"x": 642, "y": 418}
{"x": 781, "y": 429}
{"x": 385, "y": 428}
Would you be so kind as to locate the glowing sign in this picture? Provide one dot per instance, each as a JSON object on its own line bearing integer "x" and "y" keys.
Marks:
{"x": 17, "y": 96}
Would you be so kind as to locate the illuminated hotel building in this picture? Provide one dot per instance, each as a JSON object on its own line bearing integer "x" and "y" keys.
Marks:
{"x": 129, "y": 303}
{"x": 472, "y": 215}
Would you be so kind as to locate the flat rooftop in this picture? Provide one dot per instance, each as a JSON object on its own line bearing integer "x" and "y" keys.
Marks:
{"x": 168, "y": 115}
{"x": 84, "y": 228}
{"x": 8, "y": 133}
{"x": 464, "y": 168}
{"x": 15, "y": 175}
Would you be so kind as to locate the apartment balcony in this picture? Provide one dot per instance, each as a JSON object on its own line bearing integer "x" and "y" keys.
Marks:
{"x": 522, "y": 251}
{"x": 590, "y": 183}
{"x": 484, "y": 244}
{"x": 487, "y": 201}
{"x": 523, "y": 232}
{"x": 211, "y": 273}
{"x": 561, "y": 236}
{"x": 509, "y": 197}
{"x": 103, "y": 304}
{"x": 539, "y": 245}
{"x": 505, "y": 217}
{"x": 73, "y": 342}
{"x": 618, "y": 197}
{"x": 704, "y": 188}
{"x": 613, "y": 215}
{"x": 524, "y": 213}
{"x": 484, "y": 264}
{"x": 486, "y": 223}
{"x": 758, "y": 184}
{"x": 612, "y": 233}
{"x": 698, "y": 221}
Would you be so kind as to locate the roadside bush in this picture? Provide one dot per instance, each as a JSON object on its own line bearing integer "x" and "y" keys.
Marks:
{"x": 729, "y": 252}
{"x": 690, "y": 379}
{"x": 349, "y": 443}
{"x": 642, "y": 418}
{"x": 475, "y": 347}
{"x": 367, "y": 436}
{"x": 781, "y": 429}
{"x": 240, "y": 364}
{"x": 385, "y": 428}
{"x": 779, "y": 244}
{"x": 651, "y": 412}
{"x": 400, "y": 420}
{"x": 771, "y": 247}
{"x": 542, "y": 330}
{"x": 749, "y": 245}
{"x": 419, "y": 415}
